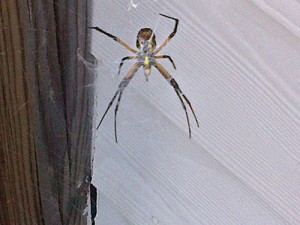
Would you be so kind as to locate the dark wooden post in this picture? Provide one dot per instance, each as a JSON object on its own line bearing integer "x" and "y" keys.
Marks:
{"x": 46, "y": 111}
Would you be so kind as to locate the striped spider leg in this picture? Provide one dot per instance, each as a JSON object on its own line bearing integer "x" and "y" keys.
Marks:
{"x": 122, "y": 62}
{"x": 179, "y": 93}
{"x": 170, "y": 36}
{"x": 119, "y": 92}
{"x": 115, "y": 38}
{"x": 166, "y": 57}
{"x": 146, "y": 56}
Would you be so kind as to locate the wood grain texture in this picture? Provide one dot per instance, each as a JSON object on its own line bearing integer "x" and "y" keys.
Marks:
{"x": 46, "y": 100}
{"x": 238, "y": 63}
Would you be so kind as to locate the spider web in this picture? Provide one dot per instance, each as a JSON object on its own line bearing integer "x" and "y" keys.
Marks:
{"x": 143, "y": 118}
{"x": 107, "y": 64}
{"x": 135, "y": 5}
{"x": 126, "y": 29}
{"x": 57, "y": 108}
{"x": 149, "y": 111}
{"x": 154, "y": 149}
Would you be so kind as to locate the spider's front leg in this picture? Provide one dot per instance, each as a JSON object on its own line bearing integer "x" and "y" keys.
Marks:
{"x": 179, "y": 93}
{"x": 124, "y": 83}
{"x": 170, "y": 36}
{"x": 115, "y": 38}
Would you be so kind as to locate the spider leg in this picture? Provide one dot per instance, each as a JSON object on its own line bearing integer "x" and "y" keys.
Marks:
{"x": 175, "y": 85}
{"x": 115, "y": 38}
{"x": 170, "y": 36}
{"x": 186, "y": 114}
{"x": 122, "y": 62}
{"x": 179, "y": 93}
{"x": 116, "y": 111}
{"x": 124, "y": 83}
{"x": 190, "y": 105}
{"x": 166, "y": 57}
{"x": 108, "y": 107}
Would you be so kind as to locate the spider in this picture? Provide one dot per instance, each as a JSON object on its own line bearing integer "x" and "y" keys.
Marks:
{"x": 146, "y": 56}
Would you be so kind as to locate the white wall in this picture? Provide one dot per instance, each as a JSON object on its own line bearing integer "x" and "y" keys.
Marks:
{"x": 238, "y": 62}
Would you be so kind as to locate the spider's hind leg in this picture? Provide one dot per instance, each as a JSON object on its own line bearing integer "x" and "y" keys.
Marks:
{"x": 179, "y": 93}
{"x": 108, "y": 107}
{"x": 119, "y": 92}
{"x": 124, "y": 83}
{"x": 175, "y": 85}
{"x": 121, "y": 88}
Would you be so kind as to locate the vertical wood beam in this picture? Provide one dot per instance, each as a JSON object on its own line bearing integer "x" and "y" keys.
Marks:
{"x": 46, "y": 111}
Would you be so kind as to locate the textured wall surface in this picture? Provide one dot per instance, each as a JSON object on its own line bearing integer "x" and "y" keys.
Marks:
{"x": 238, "y": 62}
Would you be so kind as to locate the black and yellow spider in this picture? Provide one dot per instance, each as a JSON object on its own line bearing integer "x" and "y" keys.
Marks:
{"x": 146, "y": 56}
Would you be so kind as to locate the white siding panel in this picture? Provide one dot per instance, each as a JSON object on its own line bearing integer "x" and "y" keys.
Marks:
{"x": 238, "y": 62}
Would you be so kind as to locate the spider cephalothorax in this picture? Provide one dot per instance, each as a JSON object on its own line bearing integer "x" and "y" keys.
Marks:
{"x": 146, "y": 56}
{"x": 146, "y": 35}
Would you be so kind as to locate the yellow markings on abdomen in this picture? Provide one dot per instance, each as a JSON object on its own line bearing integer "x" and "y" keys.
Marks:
{"x": 146, "y": 61}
